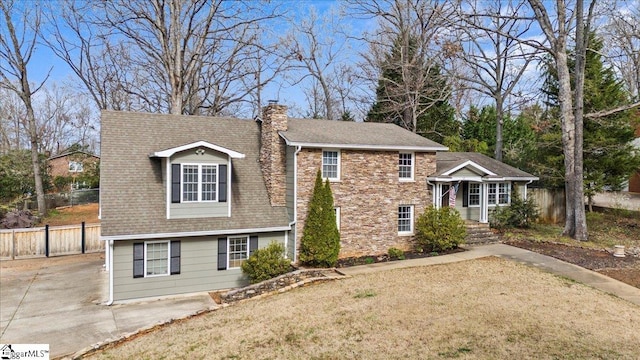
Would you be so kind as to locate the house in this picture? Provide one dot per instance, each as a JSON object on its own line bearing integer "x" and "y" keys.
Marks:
{"x": 185, "y": 199}
{"x": 474, "y": 183}
{"x": 71, "y": 163}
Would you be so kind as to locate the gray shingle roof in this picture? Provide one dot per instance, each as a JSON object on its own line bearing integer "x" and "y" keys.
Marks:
{"x": 133, "y": 197}
{"x": 446, "y": 161}
{"x": 354, "y": 135}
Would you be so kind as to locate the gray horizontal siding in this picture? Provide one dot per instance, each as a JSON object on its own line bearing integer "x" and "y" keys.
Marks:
{"x": 199, "y": 210}
{"x": 198, "y": 270}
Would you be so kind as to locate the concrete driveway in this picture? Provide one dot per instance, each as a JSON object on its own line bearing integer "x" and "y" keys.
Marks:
{"x": 60, "y": 301}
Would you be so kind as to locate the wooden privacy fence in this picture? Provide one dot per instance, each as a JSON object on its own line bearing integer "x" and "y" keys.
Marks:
{"x": 50, "y": 241}
{"x": 551, "y": 204}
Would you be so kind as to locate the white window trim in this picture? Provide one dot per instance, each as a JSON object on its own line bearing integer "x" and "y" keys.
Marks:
{"x": 413, "y": 167}
{"x": 337, "y": 212}
{"x": 229, "y": 249}
{"x": 497, "y": 203}
{"x": 75, "y": 165}
{"x": 199, "y": 165}
{"x": 338, "y": 172}
{"x": 411, "y": 220}
{"x": 146, "y": 258}
{"x": 479, "y": 196}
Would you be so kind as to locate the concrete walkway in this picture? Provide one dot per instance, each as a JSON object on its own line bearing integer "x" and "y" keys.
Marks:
{"x": 60, "y": 301}
{"x": 543, "y": 262}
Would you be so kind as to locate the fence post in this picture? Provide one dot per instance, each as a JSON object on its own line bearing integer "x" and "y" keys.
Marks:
{"x": 46, "y": 240}
{"x": 83, "y": 237}
{"x": 13, "y": 244}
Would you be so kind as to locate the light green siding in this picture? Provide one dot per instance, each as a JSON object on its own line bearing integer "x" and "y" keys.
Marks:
{"x": 200, "y": 209}
{"x": 465, "y": 172}
{"x": 198, "y": 270}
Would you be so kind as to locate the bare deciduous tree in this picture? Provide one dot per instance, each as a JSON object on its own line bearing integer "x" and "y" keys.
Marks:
{"x": 16, "y": 49}
{"x": 495, "y": 59}
{"x": 176, "y": 56}
{"x": 623, "y": 42}
{"x": 420, "y": 29}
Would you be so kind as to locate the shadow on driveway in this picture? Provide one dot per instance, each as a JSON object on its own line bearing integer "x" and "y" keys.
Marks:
{"x": 59, "y": 301}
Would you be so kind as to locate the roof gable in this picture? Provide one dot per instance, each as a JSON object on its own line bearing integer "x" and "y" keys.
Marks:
{"x": 198, "y": 144}
{"x": 472, "y": 166}
{"x": 448, "y": 163}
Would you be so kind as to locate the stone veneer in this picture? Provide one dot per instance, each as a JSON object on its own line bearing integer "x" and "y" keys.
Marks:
{"x": 272, "y": 152}
{"x": 368, "y": 194}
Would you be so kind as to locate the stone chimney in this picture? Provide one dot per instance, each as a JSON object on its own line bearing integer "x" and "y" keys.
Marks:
{"x": 272, "y": 152}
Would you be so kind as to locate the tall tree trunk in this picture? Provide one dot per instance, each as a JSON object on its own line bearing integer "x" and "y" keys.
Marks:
{"x": 580, "y": 227}
{"x": 35, "y": 159}
{"x": 568, "y": 136}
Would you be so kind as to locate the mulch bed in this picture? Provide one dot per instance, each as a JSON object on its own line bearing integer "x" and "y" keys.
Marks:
{"x": 626, "y": 269}
{"x": 371, "y": 259}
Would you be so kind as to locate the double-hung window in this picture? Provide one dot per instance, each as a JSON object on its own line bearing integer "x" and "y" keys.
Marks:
{"x": 405, "y": 166}
{"x": 75, "y": 166}
{"x": 331, "y": 164}
{"x": 499, "y": 193}
{"x": 474, "y": 194}
{"x": 199, "y": 182}
{"x": 238, "y": 251}
{"x": 156, "y": 258}
{"x": 405, "y": 219}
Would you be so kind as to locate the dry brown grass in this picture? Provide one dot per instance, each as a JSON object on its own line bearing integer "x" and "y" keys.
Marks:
{"x": 73, "y": 215}
{"x": 487, "y": 308}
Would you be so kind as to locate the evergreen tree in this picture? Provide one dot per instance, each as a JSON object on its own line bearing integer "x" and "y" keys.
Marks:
{"x": 413, "y": 94}
{"x": 320, "y": 243}
{"x": 609, "y": 157}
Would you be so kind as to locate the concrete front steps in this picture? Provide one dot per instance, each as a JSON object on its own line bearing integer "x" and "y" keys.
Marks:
{"x": 480, "y": 233}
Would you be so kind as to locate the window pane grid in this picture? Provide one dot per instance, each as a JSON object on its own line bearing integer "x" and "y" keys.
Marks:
{"x": 474, "y": 194}
{"x": 330, "y": 164}
{"x": 503, "y": 193}
{"x": 492, "y": 194}
{"x": 238, "y": 253}
{"x": 157, "y": 258}
{"x": 209, "y": 179}
{"x": 404, "y": 219}
{"x": 190, "y": 182}
{"x": 405, "y": 165}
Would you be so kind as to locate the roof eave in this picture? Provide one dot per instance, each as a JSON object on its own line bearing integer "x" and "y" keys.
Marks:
{"x": 193, "y": 233}
{"x": 363, "y": 146}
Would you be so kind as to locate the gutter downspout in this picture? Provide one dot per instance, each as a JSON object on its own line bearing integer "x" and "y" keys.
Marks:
{"x": 110, "y": 302}
{"x": 526, "y": 190}
{"x": 295, "y": 200}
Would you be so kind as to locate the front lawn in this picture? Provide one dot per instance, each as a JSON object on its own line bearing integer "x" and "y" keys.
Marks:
{"x": 481, "y": 309}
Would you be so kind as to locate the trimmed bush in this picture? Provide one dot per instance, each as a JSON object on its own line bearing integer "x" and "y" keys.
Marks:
{"x": 320, "y": 243}
{"x": 395, "y": 253}
{"x": 520, "y": 214}
{"x": 439, "y": 229}
{"x": 266, "y": 263}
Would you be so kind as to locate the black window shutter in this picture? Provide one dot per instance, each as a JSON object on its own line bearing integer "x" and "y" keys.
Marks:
{"x": 175, "y": 183}
{"x": 175, "y": 257}
{"x": 222, "y": 253}
{"x": 138, "y": 260}
{"x": 222, "y": 183}
{"x": 465, "y": 194}
{"x": 253, "y": 244}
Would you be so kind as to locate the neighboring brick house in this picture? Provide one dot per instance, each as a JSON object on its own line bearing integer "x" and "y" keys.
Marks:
{"x": 71, "y": 163}
{"x": 185, "y": 199}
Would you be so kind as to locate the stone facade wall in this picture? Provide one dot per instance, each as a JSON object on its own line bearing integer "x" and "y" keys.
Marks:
{"x": 272, "y": 152}
{"x": 368, "y": 194}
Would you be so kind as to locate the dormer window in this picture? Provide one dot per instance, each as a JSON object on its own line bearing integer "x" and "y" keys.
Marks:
{"x": 199, "y": 183}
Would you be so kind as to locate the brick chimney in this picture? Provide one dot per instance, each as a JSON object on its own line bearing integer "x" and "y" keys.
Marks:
{"x": 272, "y": 152}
